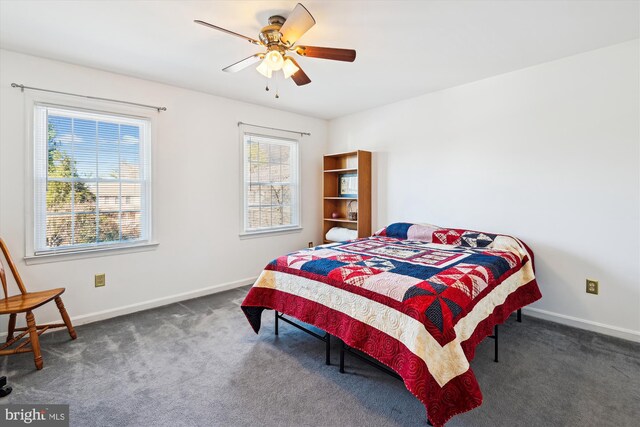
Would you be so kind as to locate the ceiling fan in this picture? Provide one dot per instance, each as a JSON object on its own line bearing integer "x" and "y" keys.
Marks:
{"x": 279, "y": 38}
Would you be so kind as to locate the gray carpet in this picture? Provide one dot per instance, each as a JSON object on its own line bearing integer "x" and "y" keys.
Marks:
{"x": 198, "y": 363}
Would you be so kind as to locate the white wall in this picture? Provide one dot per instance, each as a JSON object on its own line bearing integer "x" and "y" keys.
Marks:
{"x": 196, "y": 193}
{"x": 549, "y": 154}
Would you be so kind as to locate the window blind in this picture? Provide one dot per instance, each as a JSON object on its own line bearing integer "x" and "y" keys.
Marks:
{"x": 271, "y": 183}
{"x": 92, "y": 179}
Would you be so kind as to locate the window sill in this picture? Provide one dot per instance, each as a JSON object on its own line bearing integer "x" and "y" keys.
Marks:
{"x": 89, "y": 253}
{"x": 253, "y": 234}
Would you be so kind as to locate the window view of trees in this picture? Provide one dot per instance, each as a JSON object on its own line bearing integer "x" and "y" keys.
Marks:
{"x": 270, "y": 186}
{"x": 92, "y": 195}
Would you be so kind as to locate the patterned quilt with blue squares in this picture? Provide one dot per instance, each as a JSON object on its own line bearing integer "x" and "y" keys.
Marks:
{"x": 411, "y": 293}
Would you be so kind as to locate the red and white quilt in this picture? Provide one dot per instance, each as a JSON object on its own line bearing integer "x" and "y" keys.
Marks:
{"x": 417, "y": 298}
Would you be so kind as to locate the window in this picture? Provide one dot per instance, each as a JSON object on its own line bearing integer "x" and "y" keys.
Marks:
{"x": 92, "y": 186}
{"x": 271, "y": 200}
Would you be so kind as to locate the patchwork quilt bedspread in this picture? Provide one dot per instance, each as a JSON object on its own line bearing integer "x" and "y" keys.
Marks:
{"x": 418, "y": 298}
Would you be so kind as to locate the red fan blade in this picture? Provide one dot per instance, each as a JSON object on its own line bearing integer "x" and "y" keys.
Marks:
{"x": 241, "y": 65}
{"x": 215, "y": 27}
{"x": 299, "y": 77}
{"x": 298, "y": 23}
{"x": 348, "y": 55}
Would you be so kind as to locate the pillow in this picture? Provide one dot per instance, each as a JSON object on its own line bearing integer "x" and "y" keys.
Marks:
{"x": 508, "y": 243}
{"x": 407, "y": 230}
{"x": 462, "y": 237}
{"x": 477, "y": 239}
{"x": 454, "y": 236}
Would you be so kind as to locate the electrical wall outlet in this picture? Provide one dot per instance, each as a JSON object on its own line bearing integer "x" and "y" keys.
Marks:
{"x": 310, "y": 244}
{"x": 100, "y": 280}
{"x": 592, "y": 286}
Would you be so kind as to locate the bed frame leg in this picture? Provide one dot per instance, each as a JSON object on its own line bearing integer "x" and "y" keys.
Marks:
{"x": 342, "y": 357}
{"x": 495, "y": 335}
{"x": 327, "y": 343}
{"x": 519, "y": 315}
{"x": 276, "y": 326}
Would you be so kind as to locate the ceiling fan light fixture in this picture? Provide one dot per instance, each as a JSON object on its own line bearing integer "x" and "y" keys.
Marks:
{"x": 289, "y": 68}
{"x": 264, "y": 69}
{"x": 274, "y": 60}
{"x": 278, "y": 39}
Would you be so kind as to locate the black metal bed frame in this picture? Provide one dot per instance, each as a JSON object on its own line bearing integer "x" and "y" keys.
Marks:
{"x": 344, "y": 348}
{"x": 326, "y": 338}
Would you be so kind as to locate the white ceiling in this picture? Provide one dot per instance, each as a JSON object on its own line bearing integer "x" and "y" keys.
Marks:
{"x": 405, "y": 48}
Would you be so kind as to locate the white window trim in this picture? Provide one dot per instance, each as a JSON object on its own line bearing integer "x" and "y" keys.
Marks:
{"x": 31, "y": 100}
{"x": 68, "y": 255}
{"x": 243, "y": 233}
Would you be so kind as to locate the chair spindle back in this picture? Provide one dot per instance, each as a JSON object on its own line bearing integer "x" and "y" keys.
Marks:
{"x": 3, "y": 279}
{"x": 13, "y": 269}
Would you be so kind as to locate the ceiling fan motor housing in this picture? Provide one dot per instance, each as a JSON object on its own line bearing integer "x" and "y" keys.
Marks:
{"x": 277, "y": 20}
{"x": 270, "y": 35}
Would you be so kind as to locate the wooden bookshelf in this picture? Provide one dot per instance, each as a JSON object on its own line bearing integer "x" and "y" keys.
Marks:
{"x": 334, "y": 165}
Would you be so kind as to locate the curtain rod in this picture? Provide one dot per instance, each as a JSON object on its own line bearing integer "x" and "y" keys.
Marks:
{"x": 23, "y": 87}
{"x": 283, "y": 130}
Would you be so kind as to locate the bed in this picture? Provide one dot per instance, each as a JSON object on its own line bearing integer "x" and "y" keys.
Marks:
{"x": 417, "y": 298}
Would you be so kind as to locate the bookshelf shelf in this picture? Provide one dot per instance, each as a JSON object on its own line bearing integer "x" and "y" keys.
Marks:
{"x": 344, "y": 170}
{"x": 334, "y": 166}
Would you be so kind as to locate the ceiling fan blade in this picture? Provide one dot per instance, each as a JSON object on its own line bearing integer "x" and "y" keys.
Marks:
{"x": 215, "y": 27}
{"x": 298, "y": 23}
{"x": 241, "y": 65}
{"x": 299, "y": 77}
{"x": 348, "y": 55}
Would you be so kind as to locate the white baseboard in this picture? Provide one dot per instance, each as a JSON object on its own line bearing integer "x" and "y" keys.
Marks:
{"x": 158, "y": 302}
{"x": 627, "y": 334}
{"x": 575, "y": 322}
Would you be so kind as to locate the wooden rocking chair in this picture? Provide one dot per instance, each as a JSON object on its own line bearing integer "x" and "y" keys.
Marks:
{"x": 26, "y": 302}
